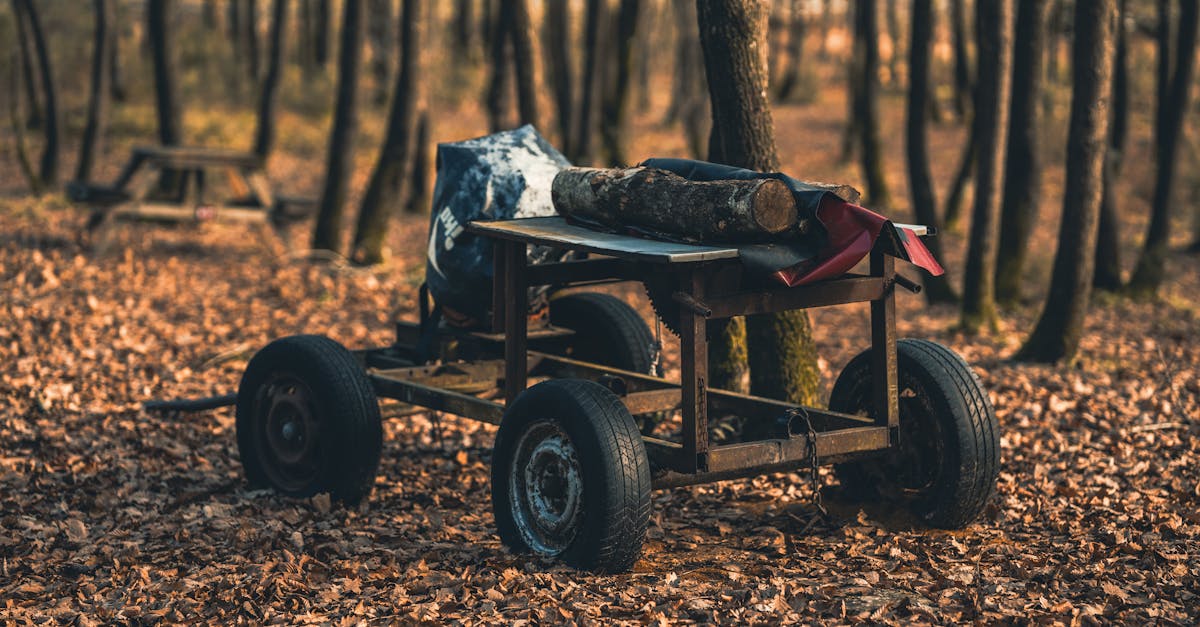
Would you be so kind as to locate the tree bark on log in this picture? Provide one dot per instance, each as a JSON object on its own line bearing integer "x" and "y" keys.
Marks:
{"x": 1056, "y": 336}
{"x": 731, "y": 211}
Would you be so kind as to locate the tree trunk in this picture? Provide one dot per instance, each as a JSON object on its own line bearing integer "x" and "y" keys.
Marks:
{"x": 1023, "y": 169}
{"x": 994, "y": 29}
{"x": 730, "y": 211}
{"x": 339, "y": 162}
{"x": 464, "y": 17}
{"x": 250, "y": 39}
{"x": 797, "y": 28}
{"x": 781, "y": 353}
{"x": 1151, "y": 266}
{"x": 321, "y": 47}
{"x": 1107, "y": 275}
{"x": 264, "y": 136}
{"x": 892, "y": 16}
{"x": 866, "y": 43}
{"x": 386, "y": 187}
{"x": 524, "y": 57}
{"x": 853, "y": 129}
{"x": 958, "y": 187}
{"x": 48, "y": 164}
{"x": 963, "y": 85}
{"x": 116, "y": 72}
{"x": 556, "y": 41}
{"x": 419, "y": 193}
{"x": 1057, "y": 333}
{"x": 924, "y": 201}
{"x": 33, "y": 107}
{"x": 97, "y": 111}
{"x": 595, "y": 15}
{"x": 166, "y": 93}
{"x": 615, "y": 98}
{"x": 210, "y": 15}
{"x": 380, "y": 27}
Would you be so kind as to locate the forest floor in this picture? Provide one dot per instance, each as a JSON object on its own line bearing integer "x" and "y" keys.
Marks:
{"x": 109, "y": 514}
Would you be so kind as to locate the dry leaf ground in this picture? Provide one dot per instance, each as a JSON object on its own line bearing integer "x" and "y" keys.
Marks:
{"x": 111, "y": 515}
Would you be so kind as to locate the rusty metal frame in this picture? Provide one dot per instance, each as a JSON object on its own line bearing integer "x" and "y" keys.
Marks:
{"x": 692, "y": 459}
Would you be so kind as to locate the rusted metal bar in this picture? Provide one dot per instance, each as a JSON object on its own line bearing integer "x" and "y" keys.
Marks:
{"x": 693, "y": 349}
{"x": 749, "y": 459}
{"x": 823, "y": 294}
{"x": 516, "y": 310}
{"x": 437, "y": 398}
{"x": 499, "y": 259}
{"x": 651, "y": 401}
{"x": 885, "y": 380}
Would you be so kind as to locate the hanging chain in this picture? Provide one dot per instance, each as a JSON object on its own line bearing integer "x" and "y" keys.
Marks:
{"x": 656, "y": 349}
{"x": 814, "y": 467}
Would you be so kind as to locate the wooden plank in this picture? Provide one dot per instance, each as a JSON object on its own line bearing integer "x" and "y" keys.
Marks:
{"x": 885, "y": 379}
{"x": 555, "y": 232}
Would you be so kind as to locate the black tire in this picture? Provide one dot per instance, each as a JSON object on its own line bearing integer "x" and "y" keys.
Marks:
{"x": 593, "y": 477}
{"x": 607, "y": 331}
{"x": 946, "y": 465}
{"x": 308, "y": 420}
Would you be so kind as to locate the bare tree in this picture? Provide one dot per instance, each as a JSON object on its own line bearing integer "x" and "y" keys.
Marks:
{"x": 688, "y": 99}
{"x": 797, "y": 29}
{"x": 556, "y": 43}
{"x": 595, "y": 16}
{"x": 33, "y": 107}
{"x": 1023, "y": 168}
{"x": 866, "y": 102}
{"x": 1056, "y": 335}
{"x": 264, "y": 136}
{"x": 963, "y": 84}
{"x": 994, "y": 30}
{"x": 380, "y": 27}
{"x": 924, "y": 201}
{"x": 780, "y": 348}
{"x": 48, "y": 164}
{"x": 614, "y": 105}
{"x": 1168, "y": 129}
{"x": 1107, "y": 275}
{"x": 97, "y": 112}
{"x": 339, "y": 160}
{"x": 387, "y": 183}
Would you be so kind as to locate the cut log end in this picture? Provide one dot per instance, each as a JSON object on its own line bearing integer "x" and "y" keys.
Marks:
{"x": 773, "y": 206}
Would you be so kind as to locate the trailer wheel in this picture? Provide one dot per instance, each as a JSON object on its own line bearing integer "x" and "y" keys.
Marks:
{"x": 608, "y": 331}
{"x": 308, "y": 420}
{"x": 948, "y": 459}
{"x": 570, "y": 477}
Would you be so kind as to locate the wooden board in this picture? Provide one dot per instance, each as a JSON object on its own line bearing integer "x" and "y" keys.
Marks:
{"x": 555, "y": 232}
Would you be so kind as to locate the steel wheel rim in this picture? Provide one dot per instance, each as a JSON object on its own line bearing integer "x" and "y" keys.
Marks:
{"x": 546, "y": 488}
{"x": 288, "y": 432}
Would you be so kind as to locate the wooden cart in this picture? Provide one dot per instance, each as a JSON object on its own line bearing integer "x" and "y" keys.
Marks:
{"x": 572, "y": 473}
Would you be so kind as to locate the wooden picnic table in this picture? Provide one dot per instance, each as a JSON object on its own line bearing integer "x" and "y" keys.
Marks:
{"x": 172, "y": 184}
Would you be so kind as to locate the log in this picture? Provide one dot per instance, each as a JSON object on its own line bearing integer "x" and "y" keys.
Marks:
{"x": 661, "y": 201}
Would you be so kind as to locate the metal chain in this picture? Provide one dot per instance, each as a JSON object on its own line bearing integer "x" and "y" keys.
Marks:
{"x": 656, "y": 349}
{"x": 814, "y": 467}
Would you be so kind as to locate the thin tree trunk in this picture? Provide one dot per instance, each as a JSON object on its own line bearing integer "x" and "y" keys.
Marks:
{"x": 994, "y": 29}
{"x": 797, "y": 28}
{"x": 419, "y": 193}
{"x": 524, "y": 57}
{"x": 955, "y": 199}
{"x": 17, "y": 126}
{"x": 595, "y": 15}
{"x": 97, "y": 112}
{"x": 264, "y": 136}
{"x": 557, "y": 44}
{"x": 853, "y": 130}
{"x": 211, "y": 20}
{"x": 892, "y": 17}
{"x": 464, "y": 16}
{"x": 48, "y": 164}
{"x": 501, "y": 67}
{"x": 1023, "y": 169}
{"x": 250, "y": 39}
{"x": 1151, "y": 266}
{"x": 386, "y": 187}
{"x": 1057, "y": 333}
{"x": 321, "y": 47}
{"x": 1107, "y": 275}
{"x": 33, "y": 106}
{"x": 328, "y": 230}
{"x": 924, "y": 201}
{"x": 380, "y": 27}
{"x": 781, "y": 353}
{"x": 166, "y": 93}
{"x": 963, "y": 85}
{"x": 615, "y": 99}
{"x": 116, "y": 72}
{"x": 866, "y": 108}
